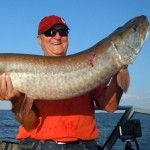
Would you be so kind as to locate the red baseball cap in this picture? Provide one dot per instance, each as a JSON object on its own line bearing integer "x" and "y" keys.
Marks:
{"x": 49, "y": 21}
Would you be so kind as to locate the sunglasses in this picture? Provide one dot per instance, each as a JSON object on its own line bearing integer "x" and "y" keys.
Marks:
{"x": 52, "y": 32}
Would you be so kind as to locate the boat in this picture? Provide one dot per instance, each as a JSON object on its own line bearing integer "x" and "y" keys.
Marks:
{"x": 126, "y": 129}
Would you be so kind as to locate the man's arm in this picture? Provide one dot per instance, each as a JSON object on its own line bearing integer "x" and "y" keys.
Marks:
{"x": 7, "y": 92}
{"x": 110, "y": 98}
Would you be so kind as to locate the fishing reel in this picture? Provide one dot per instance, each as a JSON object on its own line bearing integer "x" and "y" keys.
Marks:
{"x": 129, "y": 131}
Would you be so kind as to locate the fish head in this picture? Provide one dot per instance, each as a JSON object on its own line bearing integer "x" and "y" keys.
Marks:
{"x": 129, "y": 39}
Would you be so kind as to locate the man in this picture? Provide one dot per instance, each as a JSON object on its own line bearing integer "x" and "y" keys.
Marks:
{"x": 60, "y": 124}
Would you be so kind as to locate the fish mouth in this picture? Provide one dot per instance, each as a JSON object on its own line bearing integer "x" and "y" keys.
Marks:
{"x": 148, "y": 31}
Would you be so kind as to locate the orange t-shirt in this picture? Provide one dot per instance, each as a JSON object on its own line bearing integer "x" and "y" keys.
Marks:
{"x": 65, "y": 120}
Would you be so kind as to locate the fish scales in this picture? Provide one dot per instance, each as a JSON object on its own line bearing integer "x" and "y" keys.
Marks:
{"x": 57, "y": 78}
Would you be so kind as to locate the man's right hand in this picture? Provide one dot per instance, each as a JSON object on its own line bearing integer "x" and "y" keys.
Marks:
{"x": 7, "y": 91}
{"x": 26, "y": 115}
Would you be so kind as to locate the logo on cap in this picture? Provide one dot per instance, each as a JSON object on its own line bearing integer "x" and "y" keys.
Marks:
{"x": 63, "y": 20}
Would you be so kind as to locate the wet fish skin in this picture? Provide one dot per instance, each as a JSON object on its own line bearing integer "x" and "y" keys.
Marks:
{"x": 52, "y": 78}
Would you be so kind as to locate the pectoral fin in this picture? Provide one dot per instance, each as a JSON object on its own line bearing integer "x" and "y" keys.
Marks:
{"x": 123, "y": 79}
{"x": 26, "y": 106}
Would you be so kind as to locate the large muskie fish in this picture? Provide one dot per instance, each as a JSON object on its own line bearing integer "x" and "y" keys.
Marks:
{"x": 52, "y": 78}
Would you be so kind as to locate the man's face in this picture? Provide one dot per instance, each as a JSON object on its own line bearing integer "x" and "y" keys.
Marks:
{"x": 55, "y": 45}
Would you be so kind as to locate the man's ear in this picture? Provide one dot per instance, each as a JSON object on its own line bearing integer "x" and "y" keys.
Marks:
{"x": 39, "y": 39}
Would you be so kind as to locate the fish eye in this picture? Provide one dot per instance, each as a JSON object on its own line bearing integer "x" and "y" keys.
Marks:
{"x": 134, "y": 28}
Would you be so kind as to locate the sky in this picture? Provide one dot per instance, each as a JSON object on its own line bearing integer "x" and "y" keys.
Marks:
{"x": 89, "y": 21}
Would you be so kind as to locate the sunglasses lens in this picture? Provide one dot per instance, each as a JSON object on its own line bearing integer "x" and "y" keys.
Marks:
{"x": 52, "y": 32}
{"x": 63, "y": 32}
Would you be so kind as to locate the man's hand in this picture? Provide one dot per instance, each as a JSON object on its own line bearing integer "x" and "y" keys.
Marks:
{"x": 7, "y": 91}
{"x": 22, "y": 105}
